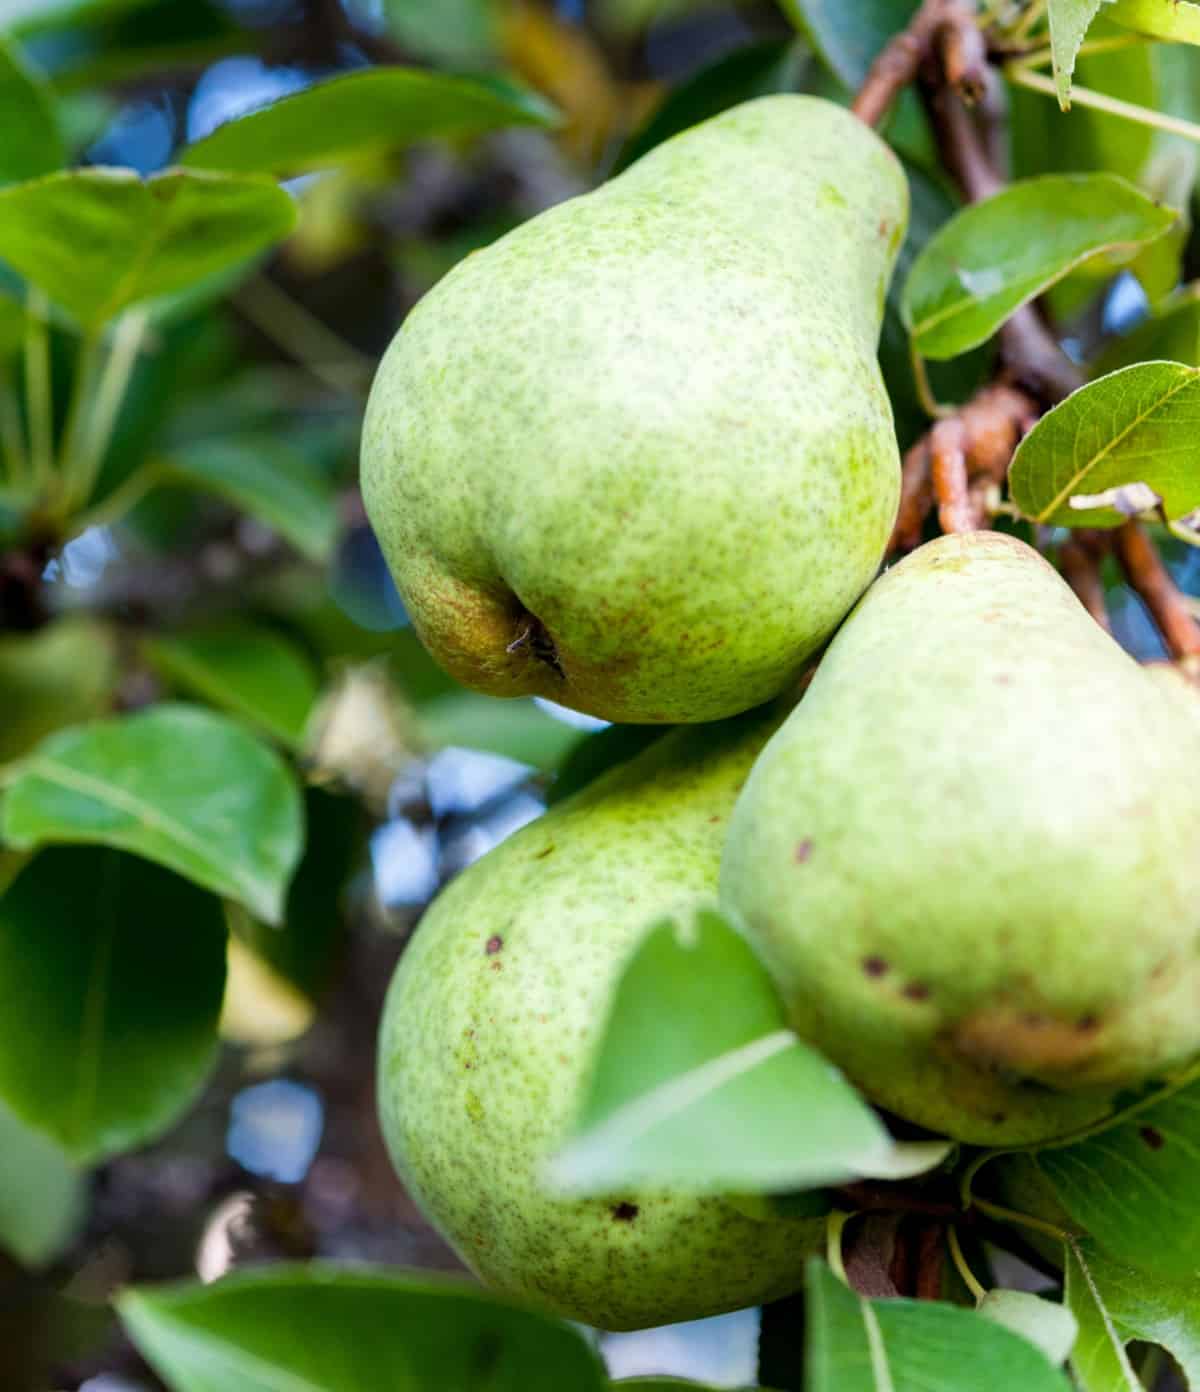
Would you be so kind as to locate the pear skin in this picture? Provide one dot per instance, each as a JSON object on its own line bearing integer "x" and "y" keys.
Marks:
{"x": 971, "y": 858}
{"x": 491, "y": 1024}
{"x": 637, "y": 456}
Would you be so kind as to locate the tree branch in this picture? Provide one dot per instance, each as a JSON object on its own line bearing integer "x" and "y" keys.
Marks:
{"x": 1149, "y": 578}
{"x": 946, "y": 23}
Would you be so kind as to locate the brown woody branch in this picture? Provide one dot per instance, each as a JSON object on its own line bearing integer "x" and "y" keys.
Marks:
{"x": 1080, "y": 560}
{"x": 945, "y": 24}
{"x": 1149, "y": 578}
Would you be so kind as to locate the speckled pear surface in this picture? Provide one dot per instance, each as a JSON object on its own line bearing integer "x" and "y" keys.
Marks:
{"x": 971, "y": 857}
{"x": 637, "y": 455}
{"x": 489, "y": 1029}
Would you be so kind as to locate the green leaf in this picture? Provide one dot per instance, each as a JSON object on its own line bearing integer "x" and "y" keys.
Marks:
{"x": 1098, "y": 1360}
{"x": 36, "y": 16}
{"x": 1137, "y": 425}
{"x": 111, "y": 975}
{"x": 848, "y": 37}
{"x": 1170, "y": 334}
{"x": 669, "y": 1384}
{"x": 1069, "y": 23}
{"x": 1047, "y": 1325}
{"x": 995, "y": 256}
{"x": 1133, "y": 1187}
{"x": 144, "y": 238}
{"x": 360, "y": 113}
{"x": 316, "y": 1328}
{"x": 857, "y": 1345}
{"x": 698, "y": 1084}
{"x": 41, "y": 1193}
{"x": 1177, "y": 22}
{"x": 597, "y": 753}
{"x": 177, "y": 784}
{"x": 33, "y": 142}
{"x": 456, "y": 33}
{"x": 248, "y": 670}
{"x": 60, "y": 675}
{"x": 1136, "y": 1306}
{"x": 269, "y": 479}
{"x": 1044, "y": 141}
{"x": 304, "y": 949}
{"x": 517, "y": 729}
{"x": 757, "y": 70}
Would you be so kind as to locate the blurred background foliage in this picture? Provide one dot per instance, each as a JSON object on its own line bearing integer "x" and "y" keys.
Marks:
{"x": 222, "y": 557}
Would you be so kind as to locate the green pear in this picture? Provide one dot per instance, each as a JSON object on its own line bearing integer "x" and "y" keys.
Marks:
{"x": 637, "y": 456}
{"x": 491, "y": 1025}
{"x": 970, "y": 856}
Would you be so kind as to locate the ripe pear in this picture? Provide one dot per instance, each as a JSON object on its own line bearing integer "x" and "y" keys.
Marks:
{"x": 491, "y": 1025}
{"x": 970, "y": 857}
{"x": 637, "y": 456}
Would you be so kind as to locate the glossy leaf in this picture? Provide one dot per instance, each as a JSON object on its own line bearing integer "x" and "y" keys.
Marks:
{"x": 1135, "y": 1306}
{"x": 756, "y": 70}
{"x": 1099, "y": 1360}
{"x": 1132, "y": 1187}
{"x": 458, "y": 33}
{"x": 323, "y": 1327}
{"x": 32, "y": 143}
{"x": 1177, "y": 22}
{"x": 41, "y": 1193}
{"x": 699, "y": 1085}
{"x": 849, "y": 37}
{"x": 111, "y": 974}
{"x": 60, "y": 675}
{"x": 1069, "y": 23}
{"x": 304, "y": 949}
{"x": 144, "y": 238}
{"x": 995, "y": 256}
{"x": 669, "y": 1384}
{"x": 1137, "y": 425}
{"x": 1170, "y": 334}
{"x": 361, "y": 113}
{"x": 857, "y": 1345}
{"x": 177, "y": 784}
{"x": 269, "y": 479}
{"x": 1047, "y": 1325}
{"x": 1089, "y": 140}
{"x": 250, "y": 671}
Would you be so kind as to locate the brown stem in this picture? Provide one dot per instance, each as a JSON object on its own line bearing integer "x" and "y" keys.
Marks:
{"x": 948, "y": 455}
{"x": 1079, "y": 560}
{"x": 931, "y": 1256}
{"x": 916, "y": 498}
{"x": 900, "y": 62}
{"x": 1149, "y": 578}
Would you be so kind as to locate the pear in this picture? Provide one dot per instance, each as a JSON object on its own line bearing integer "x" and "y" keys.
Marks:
{"x": 637, "y": 456}
{"x": 970, "y": 857}
{"x": 490, "y": 1028}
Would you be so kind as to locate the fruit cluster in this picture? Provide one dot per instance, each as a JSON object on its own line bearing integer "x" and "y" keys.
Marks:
{"x": 638, "y": 457}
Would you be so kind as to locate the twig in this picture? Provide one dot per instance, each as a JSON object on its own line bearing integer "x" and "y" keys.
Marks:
{"x": 1079, "y": 560}
{"x": 948, "y": 470}
{"x": 307, "y": 339}
{"x": 38, "y": 390}
{"x": 916, "y": 498}
{"x": 931, "y": 1257}
{"x": 1149, "y": 578}
{"x": 937, "y": 21}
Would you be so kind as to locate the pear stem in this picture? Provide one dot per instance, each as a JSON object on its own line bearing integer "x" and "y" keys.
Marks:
{"x": 1147, "y": 575}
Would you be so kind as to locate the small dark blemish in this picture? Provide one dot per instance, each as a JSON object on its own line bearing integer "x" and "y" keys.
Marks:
{"x": 497, "y": 966}
{"x": 625, "y": 1212}
{"x": 1152, "y": 1136}
{"x": 998, "y": 1118}
{"x": 916, "y": 991}
{"x": 541, "y": 855}
{"x": 1086, "y": 1023}
{"x": 804, "y": 851}
{"x": 1033, "y": 1021}
{"x": 494, "y": 944}
{"x": 874, "y": 966}
{"x": 712, "y": 820}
